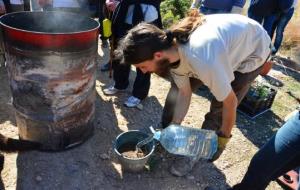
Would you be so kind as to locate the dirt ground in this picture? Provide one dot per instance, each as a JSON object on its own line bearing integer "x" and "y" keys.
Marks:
{"x": 93, "y": 165}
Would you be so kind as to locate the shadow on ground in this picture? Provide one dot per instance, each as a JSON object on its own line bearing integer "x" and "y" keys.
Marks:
{"x": 260, "y": 129}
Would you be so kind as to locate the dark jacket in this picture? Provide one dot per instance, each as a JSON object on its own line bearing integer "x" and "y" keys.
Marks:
{"x": 268, "y": 7}
{"x": 119, "y": 28}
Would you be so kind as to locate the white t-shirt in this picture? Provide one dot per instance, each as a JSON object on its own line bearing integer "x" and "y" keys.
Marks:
{"x": 223, "y": 44}
{"x": 149, "y": 11}
{"x": 65, "y": 4}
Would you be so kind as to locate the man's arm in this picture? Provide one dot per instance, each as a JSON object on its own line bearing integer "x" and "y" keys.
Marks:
{"x": 228, "y": 114}
{"x": 182, "y": 104}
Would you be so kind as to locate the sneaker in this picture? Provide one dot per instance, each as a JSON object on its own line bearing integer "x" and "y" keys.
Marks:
{"x": 105, "y": 67}
{"x": 132, "y": 102}
{"x": 182, "y": 166}
{"x": 111, "y": 90}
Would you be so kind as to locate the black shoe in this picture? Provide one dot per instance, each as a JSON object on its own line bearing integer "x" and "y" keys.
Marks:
{"x": 105, "y": 67}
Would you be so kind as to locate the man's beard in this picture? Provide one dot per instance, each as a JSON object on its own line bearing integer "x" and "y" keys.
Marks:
{"x": 164, "y": 66}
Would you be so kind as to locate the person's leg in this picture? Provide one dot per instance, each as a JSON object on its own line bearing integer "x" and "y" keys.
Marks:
{"x": 17, "y": 7}
{"x": 101, "y": 16}
{"x": 240, "y": 86}
{"x": 27, "y": 5}
{"x": 120, "y": 75}
{"x": 269, "y": 22}
{"x": 141, "y": 84}
{"x": 169, "y": 106}
{"x": 276, "y": 157}
{"x": 7, "y": 6}
{"x": 282, "y": 23}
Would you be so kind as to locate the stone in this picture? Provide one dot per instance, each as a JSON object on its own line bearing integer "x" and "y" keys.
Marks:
{"x": 104, "y": 156}
{"x": 38, "y": 178}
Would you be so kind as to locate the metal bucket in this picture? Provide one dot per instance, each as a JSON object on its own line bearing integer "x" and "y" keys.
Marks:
{"x": 127, "y": 141}
{"x": 51, "y": 62}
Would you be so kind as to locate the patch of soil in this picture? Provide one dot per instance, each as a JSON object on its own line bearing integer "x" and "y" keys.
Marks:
{"x": 130, "y": 151}
{"x": 134, "y": 154}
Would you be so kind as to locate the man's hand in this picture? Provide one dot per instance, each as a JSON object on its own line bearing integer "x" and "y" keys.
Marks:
{"x": 111, "y": 5}
{"x": 222, "y": 142}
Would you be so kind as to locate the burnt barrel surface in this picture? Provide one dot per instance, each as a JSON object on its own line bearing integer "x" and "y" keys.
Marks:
{"x": 51, "y": 62}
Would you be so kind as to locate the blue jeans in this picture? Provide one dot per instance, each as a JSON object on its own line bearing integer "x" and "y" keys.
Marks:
{"x": 274, "y": 22}
{"x": 280, "y": 22}
{"x": 266, "y": 21}
{"x": 208, "y": 11}
{"x": 278, "y": 156}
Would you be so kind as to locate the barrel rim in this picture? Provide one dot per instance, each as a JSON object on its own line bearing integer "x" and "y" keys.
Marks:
{"x": 47, "y": 33}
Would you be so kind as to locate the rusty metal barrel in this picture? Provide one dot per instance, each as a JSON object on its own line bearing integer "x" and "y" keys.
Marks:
{"x": 51, "y": 63}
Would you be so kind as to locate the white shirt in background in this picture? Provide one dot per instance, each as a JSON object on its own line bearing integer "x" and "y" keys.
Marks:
{"x": 149, "y": 11}
{"x": 16, "y": 2}
{"x": 65, "y": 4}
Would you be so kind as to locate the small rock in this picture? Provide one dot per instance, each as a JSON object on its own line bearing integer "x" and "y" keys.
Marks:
{"x": 139, "y": 176}
{"x": 104, "y": 156}
{"x": 38, "y": 178}
{"x": 190, "y": 177}
{"x": 140, "y": 107}
{"x": 198, "y": 184}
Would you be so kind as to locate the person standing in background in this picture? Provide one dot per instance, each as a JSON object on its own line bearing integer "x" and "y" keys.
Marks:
{"x": 217, "y": 6}
{"x": 262, "y": 11}
{"x": 281, "y": 21}
{"x": 127, "y": 14}
{"x": 108, "y": 7}
{"x": 16, "y": 5}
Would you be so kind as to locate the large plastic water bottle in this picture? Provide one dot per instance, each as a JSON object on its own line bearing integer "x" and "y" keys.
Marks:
{"x": 187, "y": 141}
